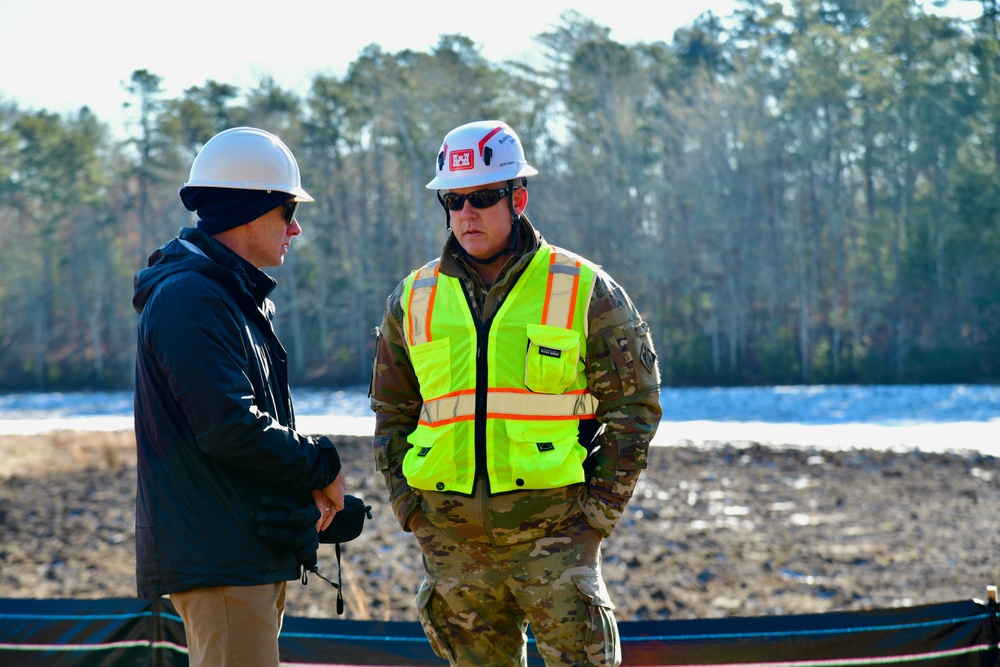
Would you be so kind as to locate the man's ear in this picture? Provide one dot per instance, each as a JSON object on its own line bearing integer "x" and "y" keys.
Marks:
{"x": 520, "y": 200}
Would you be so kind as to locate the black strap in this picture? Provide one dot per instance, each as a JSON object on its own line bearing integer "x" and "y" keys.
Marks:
{"x": 338, "y": 585}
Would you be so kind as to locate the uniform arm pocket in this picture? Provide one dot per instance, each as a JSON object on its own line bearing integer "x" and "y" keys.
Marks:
{"x": 431, "y": 611}
{"x": 600, "y": 643}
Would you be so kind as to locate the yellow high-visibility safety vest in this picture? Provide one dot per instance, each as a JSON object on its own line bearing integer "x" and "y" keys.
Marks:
{"x": 535, "y": 388}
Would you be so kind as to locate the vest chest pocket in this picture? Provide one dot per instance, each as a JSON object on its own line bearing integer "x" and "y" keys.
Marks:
{"x": 553, "y": 359}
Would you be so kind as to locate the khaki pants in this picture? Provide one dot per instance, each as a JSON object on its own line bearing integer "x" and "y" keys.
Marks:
{"x": 232, "y": 626}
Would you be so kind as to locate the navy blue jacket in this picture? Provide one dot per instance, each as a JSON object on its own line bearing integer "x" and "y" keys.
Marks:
{"x": 214, "y": 425}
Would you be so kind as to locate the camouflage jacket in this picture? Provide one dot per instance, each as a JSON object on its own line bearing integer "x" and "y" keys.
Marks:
{"x": 622, "y": 374}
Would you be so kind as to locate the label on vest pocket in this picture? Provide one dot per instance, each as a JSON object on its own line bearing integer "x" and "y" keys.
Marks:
{"x": 549, "y": 352}
{"x": 545, "y": 446}
{"x": 424, "y": 451}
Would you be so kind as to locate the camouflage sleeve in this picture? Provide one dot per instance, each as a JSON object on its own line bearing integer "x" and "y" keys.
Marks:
{"x": 395, "y": 400}
{"x": 624, "y": 377}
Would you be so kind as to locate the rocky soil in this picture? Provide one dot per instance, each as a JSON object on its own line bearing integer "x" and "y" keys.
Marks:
{"x": 712, "y": 532}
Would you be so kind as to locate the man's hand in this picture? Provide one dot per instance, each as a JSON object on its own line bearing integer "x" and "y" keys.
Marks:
{"x": 329, "y": 501}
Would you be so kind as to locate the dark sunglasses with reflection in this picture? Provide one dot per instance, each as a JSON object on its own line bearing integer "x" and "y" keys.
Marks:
{"x": 478, "y": 199}
{"x": 289, "y": 212}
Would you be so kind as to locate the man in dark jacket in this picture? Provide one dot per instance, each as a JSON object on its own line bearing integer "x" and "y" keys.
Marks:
{"x": 214, "y": 425}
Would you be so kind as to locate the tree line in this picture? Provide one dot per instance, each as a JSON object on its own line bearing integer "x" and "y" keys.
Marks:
{"x": 806, "y": 192}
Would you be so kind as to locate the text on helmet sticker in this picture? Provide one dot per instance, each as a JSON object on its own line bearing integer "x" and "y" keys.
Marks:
{"x": 460, "y": 160}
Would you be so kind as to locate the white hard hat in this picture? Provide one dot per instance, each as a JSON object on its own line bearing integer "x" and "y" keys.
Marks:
{"x": 247, "y": 158}
{"x": 486, "y": 151}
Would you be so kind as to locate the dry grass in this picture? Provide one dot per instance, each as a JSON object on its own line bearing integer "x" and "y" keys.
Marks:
{"x": 64, "y": 451}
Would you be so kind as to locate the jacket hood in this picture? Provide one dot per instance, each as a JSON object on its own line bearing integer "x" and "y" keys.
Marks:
{"x": 194, "y": 250}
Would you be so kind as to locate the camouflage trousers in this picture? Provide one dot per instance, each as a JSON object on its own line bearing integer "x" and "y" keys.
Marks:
{"x": 477, "y": 600}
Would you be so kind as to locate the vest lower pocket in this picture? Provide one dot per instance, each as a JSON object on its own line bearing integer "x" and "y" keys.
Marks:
{"x": 553, "y": 359}
{"x": 434, "y": 463}
{"x": 543, "y": 454}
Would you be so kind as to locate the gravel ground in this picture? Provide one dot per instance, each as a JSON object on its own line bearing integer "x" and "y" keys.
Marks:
{"x": 712, "y": 532}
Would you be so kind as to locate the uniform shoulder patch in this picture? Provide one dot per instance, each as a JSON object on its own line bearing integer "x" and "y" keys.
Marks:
{"x": 648, "y": 358}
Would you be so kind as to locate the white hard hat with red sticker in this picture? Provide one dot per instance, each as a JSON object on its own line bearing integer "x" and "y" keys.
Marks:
{"x": 486, "y": 151}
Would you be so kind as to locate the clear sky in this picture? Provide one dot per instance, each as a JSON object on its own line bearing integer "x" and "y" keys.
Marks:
{"x": 60, "y": 55}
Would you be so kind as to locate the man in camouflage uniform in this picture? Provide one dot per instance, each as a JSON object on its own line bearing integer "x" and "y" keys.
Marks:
{"x": 516, "y": 392}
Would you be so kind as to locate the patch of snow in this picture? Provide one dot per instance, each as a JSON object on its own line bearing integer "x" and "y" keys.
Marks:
{"x": 825, "y": 417}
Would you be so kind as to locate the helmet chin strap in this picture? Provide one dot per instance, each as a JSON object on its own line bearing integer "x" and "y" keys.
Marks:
{"x": 515, "y": 226}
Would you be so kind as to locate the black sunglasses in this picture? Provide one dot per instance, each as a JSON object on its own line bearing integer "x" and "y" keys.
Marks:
{"x": 479, "y": 199}
{"x": 289, "y": 213}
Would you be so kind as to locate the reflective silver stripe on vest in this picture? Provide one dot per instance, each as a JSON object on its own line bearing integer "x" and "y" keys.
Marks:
{"x": 421, "y": 299}
{"x": 560, "y": 296}
{"x": 514, "y": 404}
{"x": 571, "y": 270}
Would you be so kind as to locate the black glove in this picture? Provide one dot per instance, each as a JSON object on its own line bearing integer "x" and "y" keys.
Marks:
{"x": 282, "y": 521}
{"x": 347, "y": 523}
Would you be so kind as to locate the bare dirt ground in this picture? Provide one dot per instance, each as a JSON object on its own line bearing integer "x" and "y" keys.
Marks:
{"x": 712, "y": 532}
